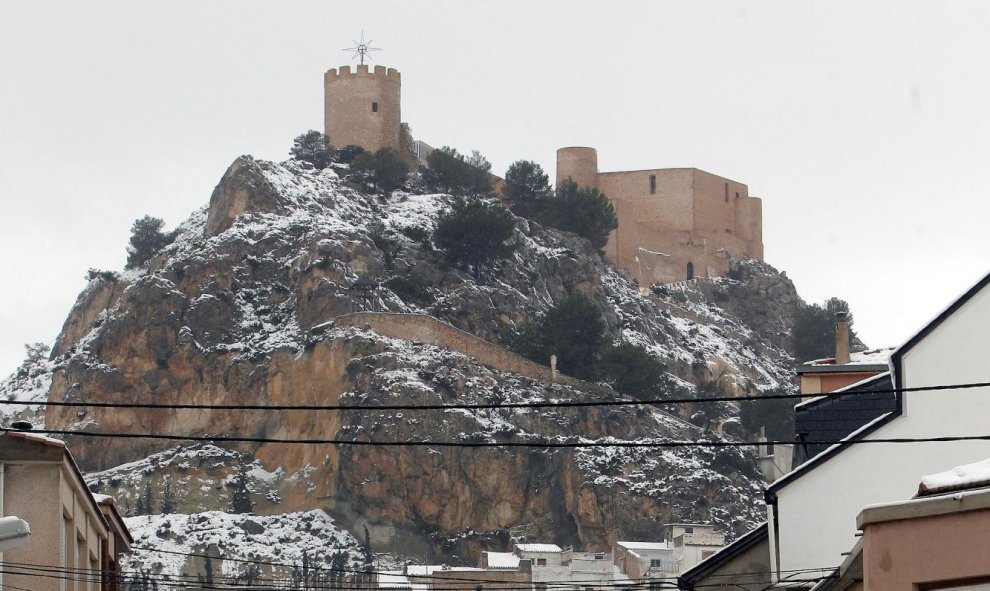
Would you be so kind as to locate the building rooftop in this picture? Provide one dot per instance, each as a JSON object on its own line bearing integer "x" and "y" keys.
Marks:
{"x": 538, "y": 548}
{"x": 644, "y": 545}
{"x": 967, "y": 476}
{"x": 872, "y": 360}
{"x": 506, "y": 560}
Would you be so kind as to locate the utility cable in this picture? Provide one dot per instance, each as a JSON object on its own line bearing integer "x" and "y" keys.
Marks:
{"x": 482, "y": 406}
{"x": 506, "y": 444}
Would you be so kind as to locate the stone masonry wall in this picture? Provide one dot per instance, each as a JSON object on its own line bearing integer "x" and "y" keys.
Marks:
{"x": 427, "y": 329}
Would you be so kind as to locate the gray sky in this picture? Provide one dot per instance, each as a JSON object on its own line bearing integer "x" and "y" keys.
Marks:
{"x": 863, "y": 126}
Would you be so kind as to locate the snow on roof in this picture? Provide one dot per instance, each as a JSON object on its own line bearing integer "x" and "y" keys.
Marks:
{"x": 538, "y": 548}
{"x": 393, "y": 579}
{"x": 972, "y": 475}
{"x": 38, "y": 437}
{"x": 422, "y": 570}
{"x": 101, "y": 499}
{"x": 644, "y": 545}
{"x": 872, "y": 357}
{"x": 502, "y": 560}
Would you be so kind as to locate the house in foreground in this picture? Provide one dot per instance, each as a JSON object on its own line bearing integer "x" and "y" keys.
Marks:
{"x": 71, "y": 529}
{"x": 811, "y": 512}
{"x": 937, "y": 540}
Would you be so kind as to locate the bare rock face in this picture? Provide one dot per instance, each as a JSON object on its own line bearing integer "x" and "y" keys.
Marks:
{"x": 239, "y": 310}
{"x": 243, "y": 188}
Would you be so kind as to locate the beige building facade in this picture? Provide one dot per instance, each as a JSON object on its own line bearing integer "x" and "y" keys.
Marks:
{"x": 362, "y": 107}
{"x": 71, "y": 529}
{"x": 674, "y": 223}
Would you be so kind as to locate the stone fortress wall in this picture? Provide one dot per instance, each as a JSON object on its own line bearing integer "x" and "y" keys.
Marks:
{"x": 430, "y": 330}
{"x": 427, "y": 329}
{"x": 362, "y": 107}
{"x": 674, "y": 223}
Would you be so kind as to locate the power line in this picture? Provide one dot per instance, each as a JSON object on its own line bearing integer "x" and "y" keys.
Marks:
{"x": 506, "y": 444}
{"x": 231, "y": 582}
{"x": 480, "y": 406}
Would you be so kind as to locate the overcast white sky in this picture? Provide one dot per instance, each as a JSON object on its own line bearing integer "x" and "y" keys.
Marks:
{"x": 863, "y": 126}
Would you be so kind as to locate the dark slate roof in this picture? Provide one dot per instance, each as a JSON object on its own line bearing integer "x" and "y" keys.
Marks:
{"x": 832, "y": 418}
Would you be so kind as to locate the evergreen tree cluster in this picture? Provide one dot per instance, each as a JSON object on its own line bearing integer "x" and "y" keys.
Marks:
{"x": 313, "y": 147}
{"x": 776, "y": 416}
{"x": 448, "y": 171}
{"x": 584, "y": 211}
{"x": 813, "y": 332}
{"x": 384, "y": 168}
{"x": 474, "y": 232}
{"x": 575, "y": 331}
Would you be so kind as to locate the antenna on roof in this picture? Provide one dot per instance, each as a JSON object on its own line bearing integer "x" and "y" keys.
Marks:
{"x": 362, "y": 48}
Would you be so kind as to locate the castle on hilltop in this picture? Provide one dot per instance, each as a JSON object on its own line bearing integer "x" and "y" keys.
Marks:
{"x": 674, "y": 223}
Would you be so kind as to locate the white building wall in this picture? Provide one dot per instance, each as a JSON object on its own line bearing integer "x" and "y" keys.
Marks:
{"x": 817, "y": 512}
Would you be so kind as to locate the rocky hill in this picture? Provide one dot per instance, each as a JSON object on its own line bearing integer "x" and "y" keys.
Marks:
{"x": 249, "y": 305}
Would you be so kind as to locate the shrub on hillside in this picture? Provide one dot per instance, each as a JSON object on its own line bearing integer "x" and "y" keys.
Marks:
{"x": 775, "y": 415}
{"x": 313, "y": 147}
{"x": 632, "y": 370}
{"x": 474, "y": 232}
{"x": 348, "y": 153}
{"x": 573, "y": 330}
{"x": 384, "y": 168}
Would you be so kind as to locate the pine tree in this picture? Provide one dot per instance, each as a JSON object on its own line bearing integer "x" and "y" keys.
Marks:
{"x": 147, "y": 240}
{"x": 369, "y": 557}
{"x": 240, "y": 496}
{"x": 149, "y": 501}
{"x": 526, "y": 188}
{"x": 167, "y": 504}
{"x": 313, "y": 147}
{"x": 584, "y": 211}
{"x": 474, "y": 233}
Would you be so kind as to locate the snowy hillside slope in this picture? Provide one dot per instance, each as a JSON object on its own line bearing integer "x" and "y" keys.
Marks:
{"x": 235, "y": 310}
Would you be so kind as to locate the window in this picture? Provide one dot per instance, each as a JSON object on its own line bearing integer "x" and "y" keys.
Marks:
{"x": 737, "y": 194}
{"x": 656, "y": 563}
{"x": 689, "y": 530}
{"x": 541, "y": 562}
{"x": 374, "y": 107}
{"x": 690, "y": 275}
{"x": 653, "y": 184}
{"x": 706, "y": 553}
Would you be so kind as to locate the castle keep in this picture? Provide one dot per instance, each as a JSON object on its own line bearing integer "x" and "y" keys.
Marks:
{"x": 674, "y": 223}
{"x": 362, "y": 107}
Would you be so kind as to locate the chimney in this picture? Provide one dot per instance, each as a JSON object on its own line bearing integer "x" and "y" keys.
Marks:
{"x": 841, "y": 339}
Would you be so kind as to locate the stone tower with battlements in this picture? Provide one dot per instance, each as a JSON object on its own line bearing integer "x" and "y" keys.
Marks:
{"x": 362, "y": 107}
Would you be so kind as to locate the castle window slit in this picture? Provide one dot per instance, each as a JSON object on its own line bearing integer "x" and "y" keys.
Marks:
{"x": 374, "y": 107}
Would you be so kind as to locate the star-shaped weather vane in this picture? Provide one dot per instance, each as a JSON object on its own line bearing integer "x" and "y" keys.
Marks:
{"x": 362, "y": 48}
